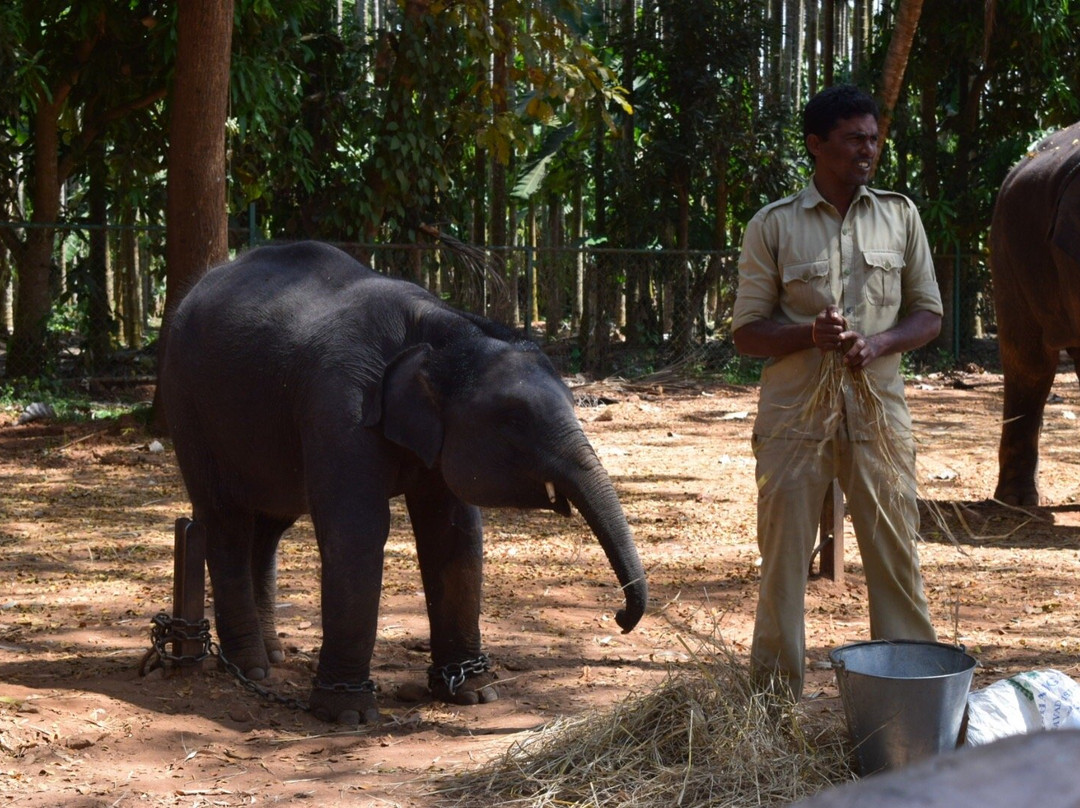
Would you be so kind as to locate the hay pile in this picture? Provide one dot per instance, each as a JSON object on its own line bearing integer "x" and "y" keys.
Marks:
{"x": 704, "y": 737}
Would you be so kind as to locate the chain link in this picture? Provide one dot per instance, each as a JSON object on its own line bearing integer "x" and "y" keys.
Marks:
{"x": 167, "y": 629}
{"x": 367, "y": 686}
{"x": 454, "y": 674}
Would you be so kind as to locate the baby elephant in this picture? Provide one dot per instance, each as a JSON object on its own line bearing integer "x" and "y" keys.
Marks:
{"x": 296, "y": 380}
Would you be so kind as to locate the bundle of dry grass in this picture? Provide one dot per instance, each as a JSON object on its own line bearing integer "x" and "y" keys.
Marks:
{"x": 868, "y": 408}
{"x": 704, "y": 737}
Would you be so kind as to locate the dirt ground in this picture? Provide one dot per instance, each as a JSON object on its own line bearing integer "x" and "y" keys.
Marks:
{"x": 86, "y": 515}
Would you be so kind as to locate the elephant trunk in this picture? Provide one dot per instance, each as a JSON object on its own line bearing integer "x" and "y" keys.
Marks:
{"x": 590, "y": 490}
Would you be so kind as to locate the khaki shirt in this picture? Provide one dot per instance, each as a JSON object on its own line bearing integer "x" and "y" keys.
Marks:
{"x": 799, "y": 257}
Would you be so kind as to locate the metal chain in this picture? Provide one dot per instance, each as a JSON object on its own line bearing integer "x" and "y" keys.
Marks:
{"x": 166, "y": 629}
{"x": 454, "y": 674}
{"x": 366, "y": 686}
{"x": 254, "y": 687}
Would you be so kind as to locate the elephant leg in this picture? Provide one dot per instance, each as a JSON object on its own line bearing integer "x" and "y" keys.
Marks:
{"x": 352, "y": 535}
{"x": 449, "y": 546}
{"x": 267, "y": 535}
{"x": 229, "y": 535}
{"x": 1029, "y": 375}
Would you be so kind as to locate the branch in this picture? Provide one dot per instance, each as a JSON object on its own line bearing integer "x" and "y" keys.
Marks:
{"x": 13, "y": 244}
{"x": 90, "y": 132}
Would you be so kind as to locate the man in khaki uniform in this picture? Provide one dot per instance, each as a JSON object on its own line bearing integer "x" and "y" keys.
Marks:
{"x": 835, "y": 267}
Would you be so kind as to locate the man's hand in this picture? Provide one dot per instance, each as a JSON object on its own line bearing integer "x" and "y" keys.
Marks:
{"x": 859, "y": 351}
{"x": 828, "y": 329}
{"x": 830, "y": 333}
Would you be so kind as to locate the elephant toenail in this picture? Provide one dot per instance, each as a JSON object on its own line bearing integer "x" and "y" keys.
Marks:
{"x": 349, "y": 717}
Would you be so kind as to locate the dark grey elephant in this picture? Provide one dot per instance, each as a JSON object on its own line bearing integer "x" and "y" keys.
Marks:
{"x": 296, "y": 380}
{"x": 1035, "y": 264}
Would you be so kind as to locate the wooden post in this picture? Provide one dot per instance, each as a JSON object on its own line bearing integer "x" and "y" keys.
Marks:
{"x": 189, "y": 580}
{"x": 831, "y": 534}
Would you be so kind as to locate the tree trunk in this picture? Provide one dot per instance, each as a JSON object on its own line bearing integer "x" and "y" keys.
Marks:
{"x": 196, "y": 217}
{"x": 98, "y": 315}
{"x": 828, "y": 42}
{"x": 682, "y": 316}
{"x": 33, "y": 301}
{"x": 553, "y": 282}
{"x": 505, "y": 309}
{"x": 595, "y": 335}
{"x": 812, "y": 41}
{"x": 775, "y": 61}
{"x": 576, "y": 227}
{"x": 796, "y": 44}
{"x": 5, "y": 293}
{"x": 896, "y": 59}
{"x": 132, "y": 306}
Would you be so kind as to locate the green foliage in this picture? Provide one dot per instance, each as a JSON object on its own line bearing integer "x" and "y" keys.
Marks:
{"x": 742, "y": 370}
{"x": 346, "y": 129}
{"x": 69, "y": 404}
{"x": 342, "y": 131}
{"x": 914, "y": 364}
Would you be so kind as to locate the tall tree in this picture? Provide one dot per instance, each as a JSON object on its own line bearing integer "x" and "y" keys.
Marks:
{"x": 196, "y": 217}
{"x": 892, "y": 74}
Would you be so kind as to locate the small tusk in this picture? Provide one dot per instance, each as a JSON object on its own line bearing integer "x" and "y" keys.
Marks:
{"x": 550, "y": 491}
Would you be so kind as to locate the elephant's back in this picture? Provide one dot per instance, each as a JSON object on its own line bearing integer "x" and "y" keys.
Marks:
{"x": 276, "y": 298}
{"x": 294, "y": 276}
{"x": 1045, "y": 171}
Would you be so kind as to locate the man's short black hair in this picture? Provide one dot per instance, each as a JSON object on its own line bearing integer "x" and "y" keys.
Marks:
{"x": 834, "y": 104}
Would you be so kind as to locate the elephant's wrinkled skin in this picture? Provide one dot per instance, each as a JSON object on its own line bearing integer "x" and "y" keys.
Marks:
{"x": 296, "y": 381}
{"x": 1035, "y": 264}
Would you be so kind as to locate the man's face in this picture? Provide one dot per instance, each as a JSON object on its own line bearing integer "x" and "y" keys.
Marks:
{"x": 845, "y": 157}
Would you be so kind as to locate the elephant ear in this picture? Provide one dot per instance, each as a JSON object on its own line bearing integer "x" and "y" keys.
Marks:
{"x": 410, "y": 413}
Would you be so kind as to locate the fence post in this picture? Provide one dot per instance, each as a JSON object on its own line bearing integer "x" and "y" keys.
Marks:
{"x": 956, "y": 305}
{"x": 189, "y": 580}
{"x": 831, "y": 534}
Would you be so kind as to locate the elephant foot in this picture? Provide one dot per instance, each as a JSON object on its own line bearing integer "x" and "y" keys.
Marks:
{"x": 253, "y": 665}
{"x": 467, "y": 683}
{"x": 1024, "y": 497}
{"x": 345, "y": 703}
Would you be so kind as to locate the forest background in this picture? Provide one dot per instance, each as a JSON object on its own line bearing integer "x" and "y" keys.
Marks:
{"x": 583, "y": 169}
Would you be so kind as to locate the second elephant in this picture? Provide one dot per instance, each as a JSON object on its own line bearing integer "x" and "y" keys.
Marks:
{"x": 1035, "y": 265}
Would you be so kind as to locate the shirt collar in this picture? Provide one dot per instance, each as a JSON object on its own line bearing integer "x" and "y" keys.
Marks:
{"x": 810, "y": 197}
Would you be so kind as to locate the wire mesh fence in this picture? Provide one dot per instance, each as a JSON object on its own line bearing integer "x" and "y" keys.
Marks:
{"x": 600, "y": 311}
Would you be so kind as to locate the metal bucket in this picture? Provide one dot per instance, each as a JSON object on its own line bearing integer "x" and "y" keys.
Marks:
{"x": 903, "y": 699}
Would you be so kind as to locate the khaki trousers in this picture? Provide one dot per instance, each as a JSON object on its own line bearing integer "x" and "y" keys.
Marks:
{"x": 793, "y": 477}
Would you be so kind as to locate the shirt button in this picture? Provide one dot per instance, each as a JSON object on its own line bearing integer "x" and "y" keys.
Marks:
{"x": 849, "y": 310}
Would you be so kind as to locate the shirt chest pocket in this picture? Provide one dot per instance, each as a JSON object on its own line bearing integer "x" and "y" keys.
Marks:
{"x": 881, "y": 285}
{"x": 806, "y": 287}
